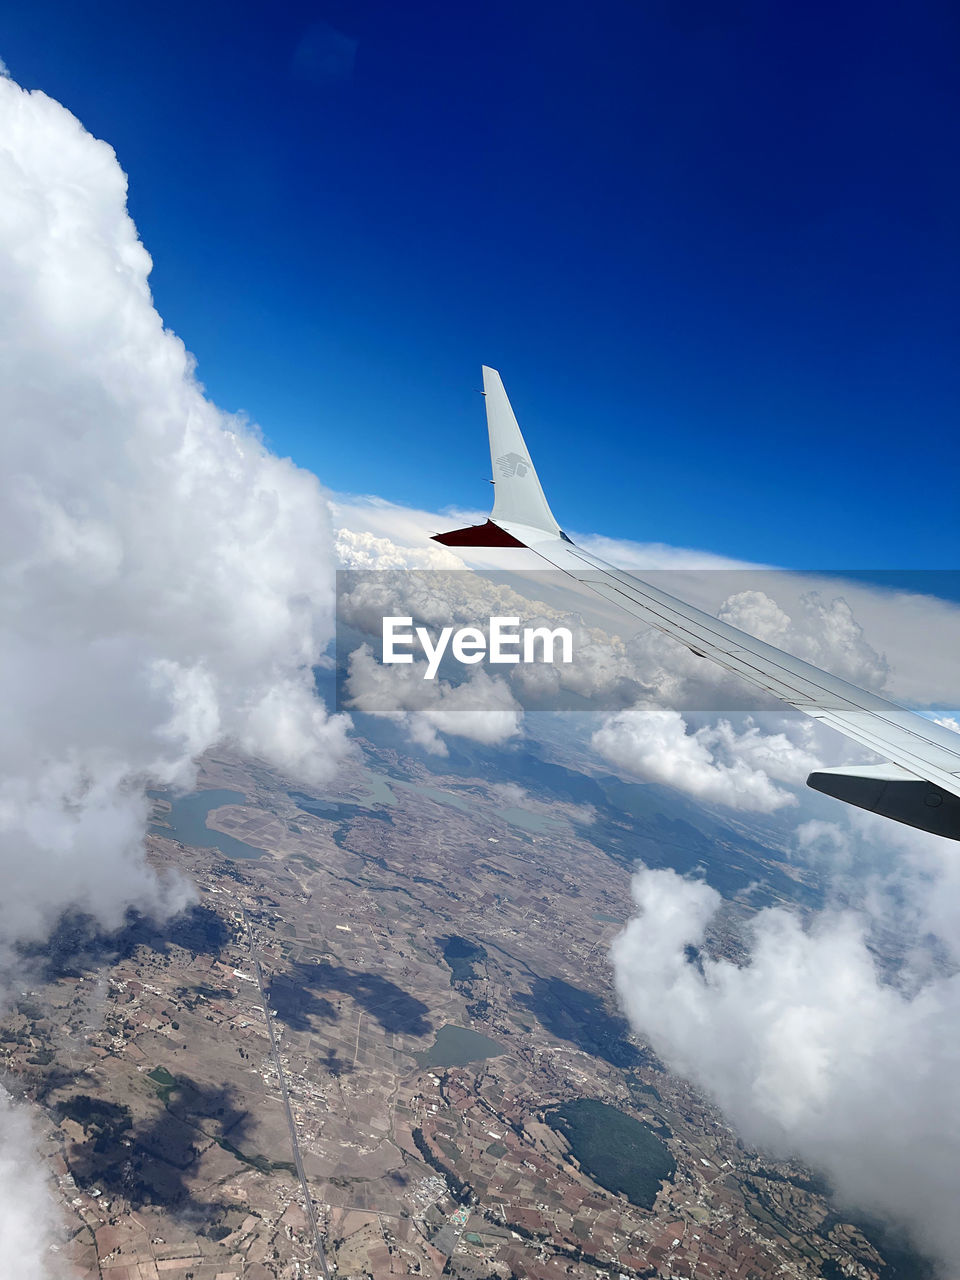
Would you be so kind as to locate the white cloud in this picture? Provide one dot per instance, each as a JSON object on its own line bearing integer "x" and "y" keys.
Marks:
{"x": 826, "y": 634}
{"x": 513, "y": 796}
{"x": 480, "y": 708}
{"x": 364, "y": 549}
{"x": 167, "y": 582}
{"x": 866, "y": 633}
{"x": 402, "y": 528}
{"x": 653, "y": 555}
{"x": 824, "y": 844}
{"x": 433, "y": 598}
{"x": 807, "y": 1048}
{"x": 778, "y": 755}
{"x": 715, "y": 763}
{"x": 30, "y": 1228}
{"x": 410, "y": 529}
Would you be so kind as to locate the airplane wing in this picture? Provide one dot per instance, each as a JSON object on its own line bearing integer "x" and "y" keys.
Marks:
{"x": 920, "y": 783}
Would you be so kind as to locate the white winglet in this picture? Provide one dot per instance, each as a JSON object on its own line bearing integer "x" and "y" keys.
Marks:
{"x": 518, "y": 496}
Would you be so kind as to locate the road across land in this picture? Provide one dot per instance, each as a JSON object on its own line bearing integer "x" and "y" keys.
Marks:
{"x": 308, "y": 1204}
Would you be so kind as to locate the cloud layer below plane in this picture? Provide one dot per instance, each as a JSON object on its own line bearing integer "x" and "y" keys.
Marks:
{"x": 167, "y": 581}
{"x": 807, "y": 1047}
{"x": 29, "y": 1215}
{"x": 715, "y": 763}
{"x": 480, "y": 708}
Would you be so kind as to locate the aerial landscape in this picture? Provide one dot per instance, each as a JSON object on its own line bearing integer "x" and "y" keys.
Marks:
{"x": 395, "y": 999}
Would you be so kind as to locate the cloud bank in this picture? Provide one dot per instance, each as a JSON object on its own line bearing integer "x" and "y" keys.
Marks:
{"x": 30, "y": 1226}
{"x": 167, "y": 582}
{"x": 480, "y": 708}
{"x": 810, "y": 1047}
{"x": 715, "y": 763}
{"x": 827, "y": 634}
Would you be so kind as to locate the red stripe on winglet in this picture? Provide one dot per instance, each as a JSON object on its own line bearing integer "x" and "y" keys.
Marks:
{"x": 478, "y": 535}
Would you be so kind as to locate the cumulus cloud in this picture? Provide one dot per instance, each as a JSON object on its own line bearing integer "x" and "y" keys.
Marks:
{"x": 826, "y": 634}
{"x": 823, "y": 632}
{"x": 434, "y": 598}
{"x": 167, "y": 582}
{"x": 785, "y": 757}
{"x": 30, "y": 1228}
{"x": 715, "y": 763}
{"x": 363, "y": 520}
{"x": 810, "y": 1047}
{"x": 480, "y": 708}
{"x": 718, "y": 763}
{"x": 867, "y": 634}
{"x": 364, "y": 549}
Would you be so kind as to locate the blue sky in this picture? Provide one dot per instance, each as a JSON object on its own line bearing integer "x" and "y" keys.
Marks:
{"x": 712, "y": 247}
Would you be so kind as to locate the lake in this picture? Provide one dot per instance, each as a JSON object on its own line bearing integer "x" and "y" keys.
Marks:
{"x": 378, "y": 789}
{"x": 617, "y": 1151}
{"x": 537, "y": 823}
{"x": 187, "y": 822}
{"x": 465, "y": 803}
{"x": 456, "y": 1046}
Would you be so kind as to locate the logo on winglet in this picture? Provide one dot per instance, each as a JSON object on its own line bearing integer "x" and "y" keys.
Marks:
{"x": 513, "y": 464}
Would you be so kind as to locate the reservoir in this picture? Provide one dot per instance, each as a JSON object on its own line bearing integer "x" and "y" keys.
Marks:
{"x": 187, "y": 822}
{"x": 621, "y": 1153}
{"x": 378, "y": 789}
{"x": 465, "y": 801}
{"x": 466, "y": 804}
{"x": 456, "y": 1046}
{"x": 537, "y": 823}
